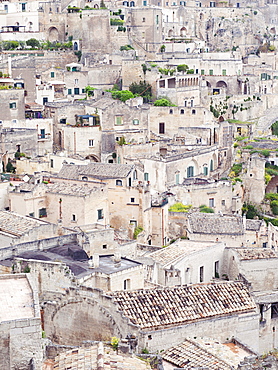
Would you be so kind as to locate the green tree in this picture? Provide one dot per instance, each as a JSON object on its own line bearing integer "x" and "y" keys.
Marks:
{"x": 142, "y": 89}
{"x": 122, "y": 95}
{"x": 34, "y": 43}
{"x": 182, "y": 67}
{"x": 163, "y": 102}
{"x": 10, "y": 168}
{"x": 89, "y": 90}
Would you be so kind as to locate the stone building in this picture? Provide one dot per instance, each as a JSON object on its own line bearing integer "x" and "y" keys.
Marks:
{"x": 20, "y": 324}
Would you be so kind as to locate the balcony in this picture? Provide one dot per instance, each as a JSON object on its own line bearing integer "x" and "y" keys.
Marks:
{"x": 42, "y": 137}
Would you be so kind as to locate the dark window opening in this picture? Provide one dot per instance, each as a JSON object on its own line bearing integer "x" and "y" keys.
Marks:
{"x": 274, "y": 310}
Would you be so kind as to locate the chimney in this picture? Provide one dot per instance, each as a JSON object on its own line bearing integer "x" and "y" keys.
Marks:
{"x": 96, "y": 260}
{"x": 117, "y": 259}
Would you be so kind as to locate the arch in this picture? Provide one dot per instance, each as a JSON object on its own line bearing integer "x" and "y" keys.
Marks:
{"x": 170, "y": 33}
{"x": 53, "y": 34}
{"x": 132, "y": 4}
{"x": 135, "y": 175}
{"x": 75, "y": 46}
{"x": 68, "y": 322}
{"x": 119, "y": 183}
{"x": 221, "y": 84}
{"x": 192, "y": 169}
{"x": 183, "y": 31}
{"x": 208, "y": 84}
{"x": 93, "y": 158}
{"x": 96, "y": 6}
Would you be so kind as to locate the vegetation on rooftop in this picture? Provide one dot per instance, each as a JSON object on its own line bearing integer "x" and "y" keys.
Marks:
{"x": 163, "y": 102}
{"x": 179, "y": 207}
{"x": 204, "y": 209}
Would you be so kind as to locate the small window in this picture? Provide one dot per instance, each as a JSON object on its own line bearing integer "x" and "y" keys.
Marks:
{"x": 202, "y": 71}
{"x": 190, "y": 171}
{"x": 91, "y": 142}
{"x": 211, "y": 72}
{"x": 52, "y": 74}
{"x": 76, "y": 81}
{"x": 51, "y": 163}
{"x": 177, "y": 178}
{"x": 23, "y": 7}
{"x": 69, "y": 91}
{"x": 32, "y": 214}
{"x": 13, "y": 105}
{"x": 42, "y": 134}
{"x": 182, "y": 111}
{"x": 144, "y": 3}
{"x": 42, "y": 212}
{"x": 223, "y": 202}
{"x": 205, "y": 170}
{"x": 76, "y": 91}
{"x": 132, "y": 200}
{"x": 185, "y": 103}
{"x": 118, "y": 120}
{"x": 119, "y": 183}
{"x": 100, "y": 214}
{"x": 104, "y": 246}
{"x": 171, "y": 111}
{"x": 146, "y": 176}
{"x": 136, "y": 121}
{"x": 144, "y": 20}
{"x": 211, "y": 202}
{"x": 201, "y": 274}
{"x": 73, "y": 218}
{"x": 193, "y": 111}
{"x": 83, "y": 91}
{"x": 133, "y": 222}
{"x": 162, "y": 128}
{"x": 223, "y": 72}
{"x": 126, "y": 284}
{"x": 216, "y": 269}
{"x": 135, "y": 175}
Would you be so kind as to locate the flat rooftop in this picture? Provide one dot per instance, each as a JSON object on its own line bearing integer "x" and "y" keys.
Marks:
{"x": 16, "y": 298}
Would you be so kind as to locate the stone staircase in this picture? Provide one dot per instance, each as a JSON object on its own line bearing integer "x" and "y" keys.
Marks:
{"x": 263, "y": 127}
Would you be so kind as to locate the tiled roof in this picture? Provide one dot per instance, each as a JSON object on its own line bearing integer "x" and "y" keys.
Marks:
{"x": 154, "y": 308}
{"x": 253, "y": 224}
{"x": 255, "y": 253}
{"x": 96, "y": 170}
{"x": 189, "y": 355}
{"x": 207, "y": 223}
{"x": 16, "y": 224}
{"x": 69, "y": 189}
{"x": 206, "y": 353}
{"x": 97, "y": 357}
{"x": 178, "y": 250}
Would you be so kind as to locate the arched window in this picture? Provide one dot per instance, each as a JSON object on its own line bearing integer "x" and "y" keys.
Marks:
{"x": 135, "y": 175}
{"x": 119, "y": 183}
{"x": 171, "y": 111}
{"x": 211, "y": 165}
{"x": 182, "y": 111}
{"x": 190, "y": 171}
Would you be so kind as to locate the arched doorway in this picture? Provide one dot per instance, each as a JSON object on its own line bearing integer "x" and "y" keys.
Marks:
{"x": 75, "y": 46}
{"x": 183, "y": 32}
{"x": 221, "y": 84}
{"x": 53, "y": 34}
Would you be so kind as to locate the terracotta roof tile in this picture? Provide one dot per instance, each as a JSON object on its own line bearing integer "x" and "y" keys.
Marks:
{"x": 154, "y": 308}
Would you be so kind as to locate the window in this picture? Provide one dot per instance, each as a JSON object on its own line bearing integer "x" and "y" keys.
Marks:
{"x": 23, "y": 7}
{"x": 119, "y": 183}
{"x": 129, "y": 181}
{"x": 201, "y": 274}
{"x": 223, "y": 202}
{"x": 13, "y": 105}
{"x": 76, "y": 91}
{"x": 91, "y": 142}
{"x": 157, "y": 19}
{"x": 100, "y": 214}
{"x": 32, "y": 214}
{"x": 44, "y": 100}
{"x": 104, "y": 246}
{"x": 205, "y": 170}
{"x": 223, "y": 72}
{"x": 118, "y": 120}
{"x": 136, "y": 121}
{"x": 211, "y": 202}
{"x": 146, "y": 176}
{"x": 162, "y": 128}
{"x": 193, "y": 111}
{"x": 144, "y": 3}
{"x": 52, "y": 74}
{"x": 132, "y": 200}
{"x": 211, "y": 72}
{"x": 182, "y": 111}
{"x": 211, "y": 165}
{"x": 212, "y": 4}
{"x": 42, "y": 212}
{"x": 202, "y": 71}
{"x": 51, "y": 163}
{"x": 135, "y": 175}
{"x": 76, "y": 81}
{"x": 83, "y": 91}
{"x": 133, "y": 222}
{"x": 192, "y": 103}
{"x": 190, "y": 171}
{"x": 171, "y": 111}
{"x": 73, "y": 218}
{"x": 42, "y": 135}
{"x": 144, "y": 20}
{"x": 274, "y": 310}
{"x": 126, "y": 284}
{"x": 185, "y": 103}
{"x": 69, "y": 91}
{"x": 216, "y": 269}
{"x": 177, "y": 178}
{"x": 6, "y": 8}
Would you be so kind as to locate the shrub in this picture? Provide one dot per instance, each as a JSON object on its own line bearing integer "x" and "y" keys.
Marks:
{"x": 236, "y": 168}
{"x": 143, "y": 89}
{"x": 116, "y": 22}
{"x": 179, "y": 207}
{"x": 274, "y": 207}
{"x": 182, "y": 67}
{"x": 122, "y": 95}
{"x": 137, "y": 231}
{"x": 34, "y": 43}
{"x": 126, "y": 47}
{"x": 114, "y": 343}
{"x": 251, "y": 210}
{"x": 163, "y": 102}
{"x": 205, "y": 209}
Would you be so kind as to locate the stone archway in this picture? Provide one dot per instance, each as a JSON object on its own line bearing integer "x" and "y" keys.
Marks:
{"x": 53, "y": 34}
{"x": 183, "y": 32}
{"x": 221, "y": 84}
{"x": 77, "y": 319}
{"x": 93, "y": 158}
